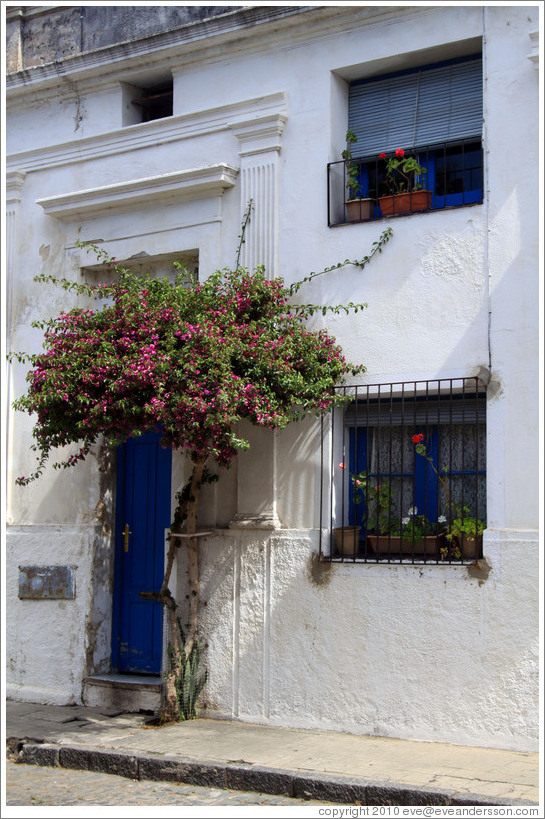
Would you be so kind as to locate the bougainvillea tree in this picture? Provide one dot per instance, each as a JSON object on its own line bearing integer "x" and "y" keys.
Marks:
{"x": 188, "y": 360}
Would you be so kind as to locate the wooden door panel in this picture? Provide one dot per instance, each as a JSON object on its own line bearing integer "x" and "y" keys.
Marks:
{"x": 143, "y": 498}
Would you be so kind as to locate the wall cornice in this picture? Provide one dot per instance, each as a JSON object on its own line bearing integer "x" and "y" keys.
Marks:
{"x": 28, "y": 12}
{"x": 143, "y": 135}
{"x": 201, "y": 40}
{"x": 131, "y": 53}
{"x": 195, "y": 183}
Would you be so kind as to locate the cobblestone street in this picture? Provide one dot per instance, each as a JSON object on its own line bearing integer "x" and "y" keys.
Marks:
{"x": 39, "y": 786}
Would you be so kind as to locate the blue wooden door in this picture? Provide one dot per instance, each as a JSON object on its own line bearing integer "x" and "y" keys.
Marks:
{"x": 142, "y": 515}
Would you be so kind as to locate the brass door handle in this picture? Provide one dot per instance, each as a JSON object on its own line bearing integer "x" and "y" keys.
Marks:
{"x": 126, "y": 534}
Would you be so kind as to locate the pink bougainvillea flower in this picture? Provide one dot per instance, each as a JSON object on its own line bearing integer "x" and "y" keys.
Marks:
{"x": 342, "y": 466}
{"x": 191, "y": 361}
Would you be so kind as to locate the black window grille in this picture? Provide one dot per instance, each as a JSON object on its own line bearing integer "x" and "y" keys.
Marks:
{"x": 407, "y": 466}
{"x": 359, "y": 189}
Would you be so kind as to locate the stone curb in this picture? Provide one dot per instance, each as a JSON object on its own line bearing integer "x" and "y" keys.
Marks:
{"x": 243, "y": 776}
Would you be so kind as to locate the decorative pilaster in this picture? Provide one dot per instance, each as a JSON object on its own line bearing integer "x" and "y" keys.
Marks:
{"x": 14, "y": 186}
{"x": 256, "y": 482}
{"x": 259, "y": 149}
{"x": 259, "y": 141}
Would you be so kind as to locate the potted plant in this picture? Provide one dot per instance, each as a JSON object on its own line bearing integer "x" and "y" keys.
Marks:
{"x": 347, "y": 540}
{"x": 413, "y": 535}
{"x": 404, "y": 183}
{"x": 357, "y": 206}
{"x": 416, "y": 536}
{"x": 466, "y": 534}
{"x": 382, "y": 531}
{"x": 385, "y": 534}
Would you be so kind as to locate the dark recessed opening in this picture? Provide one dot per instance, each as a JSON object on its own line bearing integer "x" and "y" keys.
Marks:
{"x": 155, "y": 102}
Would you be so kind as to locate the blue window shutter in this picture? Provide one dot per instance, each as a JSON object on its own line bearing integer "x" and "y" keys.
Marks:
{"x": 357, "y": 462}
{"x": 425, "y": 479}
{"x": 428, "y": 106}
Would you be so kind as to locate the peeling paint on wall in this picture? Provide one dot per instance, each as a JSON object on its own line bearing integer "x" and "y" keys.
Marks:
{"x": 99, "y": 620}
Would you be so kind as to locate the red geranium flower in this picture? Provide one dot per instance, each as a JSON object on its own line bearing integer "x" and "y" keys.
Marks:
{"x": 400, "y": 152}
{"x": 417, "y": 439}
{"x": 382, "y": 156}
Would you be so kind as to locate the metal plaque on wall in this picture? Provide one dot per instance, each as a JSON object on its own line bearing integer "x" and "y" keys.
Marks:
{"x": 47, "y": 582}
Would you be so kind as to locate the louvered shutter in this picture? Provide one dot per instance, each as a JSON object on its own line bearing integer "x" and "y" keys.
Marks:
{"x": 421, "y": 108}
{"x": 466, "y": 410}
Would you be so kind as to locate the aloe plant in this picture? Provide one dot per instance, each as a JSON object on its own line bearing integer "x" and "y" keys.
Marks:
{"x": 189, "y": 682}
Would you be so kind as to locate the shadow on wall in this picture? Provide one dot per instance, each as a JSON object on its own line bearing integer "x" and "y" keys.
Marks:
{"x": 298, "y": 474}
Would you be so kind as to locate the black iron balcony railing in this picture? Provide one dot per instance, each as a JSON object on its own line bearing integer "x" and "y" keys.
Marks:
{"x": 407, "y": 466}
{"x": 360, "y": 190}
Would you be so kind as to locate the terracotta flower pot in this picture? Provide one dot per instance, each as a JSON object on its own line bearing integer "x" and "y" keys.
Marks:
{"x": 405, "y": 202}
{"x": 470, "y": 545}
{"x": 347, "y": 539}
{"x": 358, "y": 209}
{"x": 429, "y": 546}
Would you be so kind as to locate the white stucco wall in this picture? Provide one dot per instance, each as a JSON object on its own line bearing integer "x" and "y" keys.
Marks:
{"x": 46, "y": 651}
{"x": 418, "y": 652}
{"x": 435, "y": 652}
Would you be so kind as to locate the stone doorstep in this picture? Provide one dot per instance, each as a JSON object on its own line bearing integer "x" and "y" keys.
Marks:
{"x": 130, "y": 692}
{"x": 235, "y": 776}
{"x": 130, "y": 682}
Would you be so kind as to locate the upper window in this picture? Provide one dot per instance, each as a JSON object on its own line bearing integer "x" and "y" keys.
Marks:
{"x": 155, "y": 102}
{"x": 416, "y": 143}
{"x": 147, "y": 103}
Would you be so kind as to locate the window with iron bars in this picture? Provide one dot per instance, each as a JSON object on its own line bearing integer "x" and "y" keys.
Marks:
{"x": 408, "y": 473}
{"x": 454, "y": 178}
{"x": 431, "y": 115}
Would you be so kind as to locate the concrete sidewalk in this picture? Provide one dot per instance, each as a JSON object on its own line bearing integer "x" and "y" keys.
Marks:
{"x": 322, "y": 765}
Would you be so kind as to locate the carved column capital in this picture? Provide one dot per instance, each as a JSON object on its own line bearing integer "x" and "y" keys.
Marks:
{"x": 260, "y": 135}
{"x": 14, "y": 185}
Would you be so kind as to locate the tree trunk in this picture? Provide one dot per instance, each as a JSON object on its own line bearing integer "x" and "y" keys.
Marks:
{"x": 193, "y": 554}
{"x": 187, "y": 509}
{"x": 170, "y": 709}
